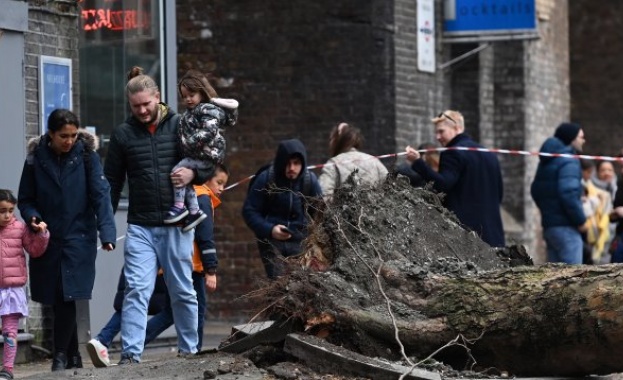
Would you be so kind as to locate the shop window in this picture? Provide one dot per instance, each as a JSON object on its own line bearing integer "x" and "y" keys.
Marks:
{"x": 115, "y": 35}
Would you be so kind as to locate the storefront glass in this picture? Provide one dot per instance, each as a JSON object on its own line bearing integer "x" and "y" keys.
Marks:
{"x": 115, "y": 35}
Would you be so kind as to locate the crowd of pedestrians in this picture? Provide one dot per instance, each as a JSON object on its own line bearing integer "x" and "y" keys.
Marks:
{"x": 173, "y": 166}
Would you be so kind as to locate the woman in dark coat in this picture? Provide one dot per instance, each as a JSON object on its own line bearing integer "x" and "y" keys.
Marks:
{"x": 63, "y": 184}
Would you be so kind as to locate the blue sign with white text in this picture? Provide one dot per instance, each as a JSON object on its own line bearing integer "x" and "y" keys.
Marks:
{"x": 489, "y": 16}
{"x": 56, "y": 89}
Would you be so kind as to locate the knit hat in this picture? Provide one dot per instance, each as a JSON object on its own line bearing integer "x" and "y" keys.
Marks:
{"x": 567, "y": 132}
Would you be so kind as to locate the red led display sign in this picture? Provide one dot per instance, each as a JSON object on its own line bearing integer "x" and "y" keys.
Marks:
{"x": 116, "y": 15}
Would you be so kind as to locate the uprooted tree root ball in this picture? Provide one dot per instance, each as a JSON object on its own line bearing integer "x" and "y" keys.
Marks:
{"x": 388, "y": 272}
{"x": 370, "y": 256}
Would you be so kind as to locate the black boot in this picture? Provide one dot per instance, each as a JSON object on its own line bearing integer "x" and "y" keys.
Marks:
{"x": 75, "y": 361}
{"x": 59, "y": 363}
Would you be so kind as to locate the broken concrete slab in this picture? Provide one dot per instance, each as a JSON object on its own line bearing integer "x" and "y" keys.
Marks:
{"x": 246, "y": 329}
{"x": 245, "y": 337}
{"x": 324, "y": 357}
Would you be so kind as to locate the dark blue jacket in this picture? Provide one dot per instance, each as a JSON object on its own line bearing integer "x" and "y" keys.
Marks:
{"x": 262, "y": 211}
{"x": 472, "y": 182}
{"x": 557, "y": 187}
{"x": 54, "y": 188}
{"x": 204, "y": 235}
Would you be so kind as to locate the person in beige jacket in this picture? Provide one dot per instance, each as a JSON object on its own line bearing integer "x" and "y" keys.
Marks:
{"x": 344, "y": 143}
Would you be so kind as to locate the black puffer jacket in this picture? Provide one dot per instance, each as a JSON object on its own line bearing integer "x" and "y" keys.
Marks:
{"x": 147, "y": 161}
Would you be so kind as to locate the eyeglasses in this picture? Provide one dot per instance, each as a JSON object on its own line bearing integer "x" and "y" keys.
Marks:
{"x": 443, "y": 114}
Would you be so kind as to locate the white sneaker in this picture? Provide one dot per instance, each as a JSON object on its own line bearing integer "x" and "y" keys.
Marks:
{"x": 98, "y": 353}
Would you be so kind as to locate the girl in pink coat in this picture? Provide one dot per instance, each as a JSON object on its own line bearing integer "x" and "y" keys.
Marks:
{"x": 15, "y": 237}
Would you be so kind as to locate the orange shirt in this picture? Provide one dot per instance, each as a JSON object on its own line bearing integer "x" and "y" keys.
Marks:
{"x": 203, "y": 190}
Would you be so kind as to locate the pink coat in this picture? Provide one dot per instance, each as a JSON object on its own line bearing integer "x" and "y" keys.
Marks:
{"x": 14, "y": 239}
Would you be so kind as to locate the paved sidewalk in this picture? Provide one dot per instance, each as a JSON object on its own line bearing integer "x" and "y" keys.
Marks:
{"x": 214, "y": 333}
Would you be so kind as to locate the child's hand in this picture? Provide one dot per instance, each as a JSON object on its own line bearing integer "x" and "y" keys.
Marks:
{"x": 210, "y": 282}
{"x": 38, "y": 225}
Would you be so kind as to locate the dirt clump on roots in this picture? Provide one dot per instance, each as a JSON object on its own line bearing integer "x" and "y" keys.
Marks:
{"x": 370, "y": 253}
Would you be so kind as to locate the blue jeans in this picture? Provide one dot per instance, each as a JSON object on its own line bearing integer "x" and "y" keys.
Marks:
{"x": 145, "y": 248}
{"x": 112, "y": 328}
{"x": 164, "y": 319}
{"x": 564, "y": 244}
{"x": 617, "y": 254}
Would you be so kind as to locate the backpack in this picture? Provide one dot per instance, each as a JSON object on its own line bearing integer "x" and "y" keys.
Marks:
{"x": 307, "y": 185}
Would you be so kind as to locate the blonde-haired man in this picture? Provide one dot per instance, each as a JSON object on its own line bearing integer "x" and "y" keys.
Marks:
{"x": 471, "y": 180}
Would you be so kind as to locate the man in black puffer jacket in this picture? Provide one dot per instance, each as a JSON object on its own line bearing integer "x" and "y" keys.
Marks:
{"x": 145, "y": 148}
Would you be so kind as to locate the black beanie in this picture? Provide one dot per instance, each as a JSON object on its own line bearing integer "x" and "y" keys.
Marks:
{"x": 567, "y": 132}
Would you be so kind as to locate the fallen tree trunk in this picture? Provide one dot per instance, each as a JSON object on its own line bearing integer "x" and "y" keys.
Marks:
{"x": 548, "y": 321}
{"x": 407, "y": 295}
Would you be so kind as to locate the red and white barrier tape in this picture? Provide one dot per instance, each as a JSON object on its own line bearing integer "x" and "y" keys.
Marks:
{"x": 512, "y": 152}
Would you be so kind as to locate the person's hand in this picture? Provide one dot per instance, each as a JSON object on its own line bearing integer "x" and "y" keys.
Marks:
{"x": 412, "y": 154}
{"x": 210, "y": 282}
{"x": 582, "y": 228}
{"x": 38, "y": 225}
{"x": 617, "y": 212}
{"x": 278, "y": 232}
{"x": 182, "y": 177}
{"x": 108, "y": 247}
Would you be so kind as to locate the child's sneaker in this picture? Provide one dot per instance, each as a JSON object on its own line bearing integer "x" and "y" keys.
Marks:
{"x": 175, "y": 214}
{"x": 193, "y": 220}
{"x": 5, "y": 374}
{"x": 98, "y": 353}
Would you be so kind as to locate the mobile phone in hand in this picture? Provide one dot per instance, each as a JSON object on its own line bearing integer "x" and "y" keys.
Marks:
{"x": 37, "y": 220}
{"x": 286, "y": 230}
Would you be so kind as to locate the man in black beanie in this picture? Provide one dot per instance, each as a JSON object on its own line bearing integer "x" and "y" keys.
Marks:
{"x": 567, "y": 133}
{"x": 557, "y": 191}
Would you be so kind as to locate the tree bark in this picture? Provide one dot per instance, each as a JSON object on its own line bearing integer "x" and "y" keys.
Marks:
{"x": 551, "y": 320}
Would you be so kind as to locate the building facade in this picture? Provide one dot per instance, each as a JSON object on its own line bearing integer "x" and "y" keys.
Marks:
{"x": 298, "y": 68}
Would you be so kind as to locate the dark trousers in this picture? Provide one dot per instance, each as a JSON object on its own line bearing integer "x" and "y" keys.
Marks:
{"x": 274, "y": 253}
{"x": 65, "y": 325}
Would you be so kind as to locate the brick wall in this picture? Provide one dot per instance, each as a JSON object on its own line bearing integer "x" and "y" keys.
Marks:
{"x": 52, "y": 31}
{"x": 547, "y": 102}
{"x": 595, "y": 48}
{"x": 509, "y": 89}
{"x": 297, "y": 68}
{"x": 419, "y": 95}
{"x": 464, "y": 80}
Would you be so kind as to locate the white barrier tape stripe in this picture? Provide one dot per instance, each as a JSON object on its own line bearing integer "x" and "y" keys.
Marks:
{"x": 512, "y": 152}
{"x": 310, "y": 167}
